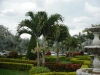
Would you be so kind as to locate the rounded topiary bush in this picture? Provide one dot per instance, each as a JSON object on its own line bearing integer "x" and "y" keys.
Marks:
{"x": 13, "y": 54}
{"x": 35, "y": 70}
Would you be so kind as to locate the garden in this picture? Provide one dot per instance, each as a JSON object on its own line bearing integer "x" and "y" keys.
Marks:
{"x": 34, "y": 56}
{"x": 66, "y": 66}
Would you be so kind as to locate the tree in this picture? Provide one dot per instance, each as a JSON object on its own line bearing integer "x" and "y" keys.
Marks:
{"x": 3, "y": 33}
{"x": 31, "y": 45}
{"x": 50, "y": 21}
{"x": 23, "y": 46}
{"x": 81, "y": 38}
{"x": 59, "y": 33}
{"x": 34, "y": 26}
{"x": 7, "y": 41}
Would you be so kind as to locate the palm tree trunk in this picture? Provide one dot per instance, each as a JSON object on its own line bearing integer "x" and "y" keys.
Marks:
{"x": 57, "y": 51}
{"x": 43, "y": 57}
{"x": 38, "y": 56}
{"x": 57, "y": 60}
{"x": 38, "y": 59}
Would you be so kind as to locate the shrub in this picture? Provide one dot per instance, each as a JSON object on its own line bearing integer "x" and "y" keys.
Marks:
{"x": 87, "y": 62}
{"x": 81, "y": 53}
{"x": 84, "y": 66}
{"x": 32, "y": 45}
{"x": 50, "y": 59}
{"x": 35, "y": 70}
{"x": 48, "y": 53}
{"x": 24, "y": 58}
{"x": 15, "y": 66}
{"x": 62, "y": 67}
{"x": 13, "y": 54}
{"x": 17, "y": 61}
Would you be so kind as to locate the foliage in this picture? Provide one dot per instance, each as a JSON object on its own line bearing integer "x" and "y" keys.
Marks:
{"x": 6, "y": 38}
{"x": 32, "y": 45}
{"x": 62, "y": 67}
{"x": 48, "y": 53}
{"x": 16, "y": 60}
{"x": 23, "y": 46}
{"x": 33, "y": 26}
{"x": 15, "y": 66}
{"x": 87, "y": 62}
{"x": 53, "y": 58}
{"x": 84, "y": 66}
{"x": 35, "y": 70}
{"x": 50, "y": 59}
{"x": 24, "y": 58}
{"x": 13, "y": 54}
{"x": 82, "y": 59}
{"x": 58, "y": 34}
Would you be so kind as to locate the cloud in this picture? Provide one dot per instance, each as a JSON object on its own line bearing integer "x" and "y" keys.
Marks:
{"x": 91, "y": 9}
{"x": 78, "y": 14}
{"x": 81, "y": 19}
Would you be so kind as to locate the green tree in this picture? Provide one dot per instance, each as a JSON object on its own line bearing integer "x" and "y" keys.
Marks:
{"x": 59, "y": 33}
{"x": 31, "y": 45}
{"x": 81, "y": 38}
{"x": 47, "y": 29}
{"x": 7, "y": 41}
{"x": 34, "y": 26}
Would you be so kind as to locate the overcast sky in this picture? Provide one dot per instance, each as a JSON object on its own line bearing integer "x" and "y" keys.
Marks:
{"x": 78, "y": 14}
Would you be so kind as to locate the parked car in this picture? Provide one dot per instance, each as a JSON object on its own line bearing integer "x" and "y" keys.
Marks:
{"x": 2, "y": 54}
{"x": 53, "y": 53}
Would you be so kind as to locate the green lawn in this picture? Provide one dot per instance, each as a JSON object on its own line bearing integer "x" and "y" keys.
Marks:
{"x": 13, "y": 72}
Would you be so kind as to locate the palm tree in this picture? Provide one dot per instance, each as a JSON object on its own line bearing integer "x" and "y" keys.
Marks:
{"x": 47, "y": 29}
{"x": 34, "y": 26}
{"x": 81, "y": 38}
{"x": 59, "y": 33}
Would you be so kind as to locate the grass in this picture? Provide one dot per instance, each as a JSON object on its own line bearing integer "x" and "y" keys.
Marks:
{"x": 13, "y": 72}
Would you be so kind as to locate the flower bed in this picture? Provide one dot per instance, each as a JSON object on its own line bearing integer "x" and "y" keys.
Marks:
{"x": 63, "y": 67}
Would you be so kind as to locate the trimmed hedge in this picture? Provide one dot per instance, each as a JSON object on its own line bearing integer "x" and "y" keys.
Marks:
{"x": 87, "y": 62}
{"x": 84, "y": 66}
{"x": 57, "y": 73}
{"x": 53, "y": 58}
{"x": 81, "y": 59}
{"x": 85, "y": 57}
{"x": 15, "y": 66}
{"x": 76, "y": 60}
{"x": 16, "y": 60}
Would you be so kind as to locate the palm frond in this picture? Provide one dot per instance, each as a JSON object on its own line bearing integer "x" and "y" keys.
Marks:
{"x": 25, "y": 31}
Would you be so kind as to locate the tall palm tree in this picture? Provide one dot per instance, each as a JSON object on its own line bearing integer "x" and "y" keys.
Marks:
{"x": 47, "y": 29}
{"x": 59, "y": 33}
{"x": 34, "y": 26}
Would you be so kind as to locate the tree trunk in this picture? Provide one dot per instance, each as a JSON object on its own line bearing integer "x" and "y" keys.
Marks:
{"x": 38, "y": 55}
{"x": 38, "y": 59}
{"x": 57, "y": 60}
{"x": 43, "y": 57}
{"x": 57, "y": 51}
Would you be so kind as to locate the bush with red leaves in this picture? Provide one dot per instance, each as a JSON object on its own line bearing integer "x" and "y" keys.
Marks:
{"x": 48, "y": 53}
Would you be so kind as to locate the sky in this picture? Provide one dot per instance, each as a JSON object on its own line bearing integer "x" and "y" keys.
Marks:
{"x": 78, "y": 14}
